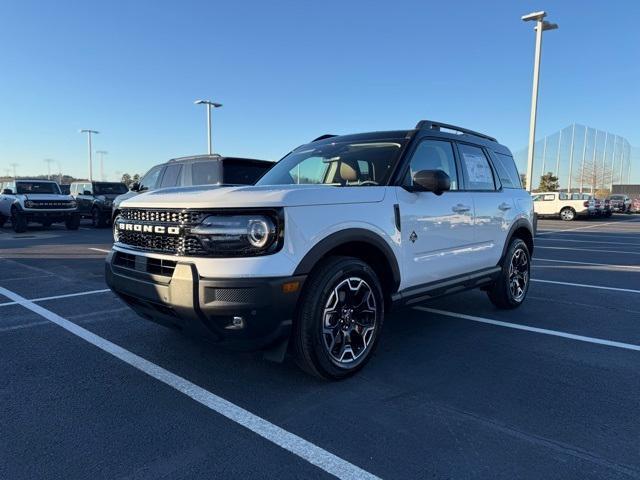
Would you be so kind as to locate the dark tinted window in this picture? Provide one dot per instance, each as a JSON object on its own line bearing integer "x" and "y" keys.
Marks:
{"x": 171, "y": 176}
{"x": 434, "y": 155}
{"x": 204, "y": 173}
{"x": 241, "y": 173}
{"x": 475, "y": 163}
{"x": 507, "y": 171}
{"x": 103, "y": 188}
{"x": 150, "y": 180}
{"x": 37, "y": 187}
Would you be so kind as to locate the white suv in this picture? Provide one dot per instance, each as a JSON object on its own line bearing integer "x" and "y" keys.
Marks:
{"x": 335, "y": 234}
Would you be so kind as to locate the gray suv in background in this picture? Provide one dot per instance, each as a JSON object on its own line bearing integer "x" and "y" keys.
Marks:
{"x": 197, "y": 170}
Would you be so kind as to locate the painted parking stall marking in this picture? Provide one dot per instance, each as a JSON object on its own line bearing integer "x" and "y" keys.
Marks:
{"x": 304, "y": 449}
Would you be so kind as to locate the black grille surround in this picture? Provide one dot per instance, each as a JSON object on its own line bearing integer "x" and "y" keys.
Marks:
{"x": 49, "y": 204}
{"x": 184, "y": 243}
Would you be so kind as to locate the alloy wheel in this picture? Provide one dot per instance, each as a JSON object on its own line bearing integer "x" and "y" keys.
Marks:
{"x": 349, "y": 321}
{"x": 519, "y": 274}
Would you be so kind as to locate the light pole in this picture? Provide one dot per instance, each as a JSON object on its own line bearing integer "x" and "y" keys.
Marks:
{"x": 13, "y": 166}
{"x": 541, "y": 26}
{"x": 102, "y": 153}
{"x": 89, "y": 133}
{"x": 209, "y": 104}
{"x": 48, "y": 162}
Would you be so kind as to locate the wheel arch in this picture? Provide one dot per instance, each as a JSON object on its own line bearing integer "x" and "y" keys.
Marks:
{"x": 359, "y": 243}
{"x": 522, "y": 229}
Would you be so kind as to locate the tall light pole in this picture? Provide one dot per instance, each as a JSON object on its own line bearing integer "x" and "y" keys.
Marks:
{"x": 102, "y": 153}
{"x": 209, "y": 104}
{"x": 541, "y": 26}
{"x": 89, "y": 133}
{"x": 48, "y": 162}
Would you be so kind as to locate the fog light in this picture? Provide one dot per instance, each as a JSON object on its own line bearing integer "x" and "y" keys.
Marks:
{"x": 236, "y": 324}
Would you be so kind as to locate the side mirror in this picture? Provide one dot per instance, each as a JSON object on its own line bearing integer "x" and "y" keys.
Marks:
{"x": 435, "y": 181}
{"x": 135, "y": 187}
{"x": 7, "y": 191}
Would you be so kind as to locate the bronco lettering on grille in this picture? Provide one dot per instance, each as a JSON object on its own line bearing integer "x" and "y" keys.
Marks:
{"x": 157, "y": 229}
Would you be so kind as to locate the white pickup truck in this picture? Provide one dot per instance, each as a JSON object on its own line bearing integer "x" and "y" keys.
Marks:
{"x": 567, "y": 206}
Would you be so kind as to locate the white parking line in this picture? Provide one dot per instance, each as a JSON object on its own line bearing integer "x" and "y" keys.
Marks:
{"x": 56, "y": 297}
{"x": 610, "y": 265}
{"x": 549, "y": 232}
{"x": 584, "y": 285}
{"x": 588, "y": 250}
{"x": 607, "y": 242}
{"x": 544, "y": 331}
{"x": 99, "y": 250}
{"x": 304, "y": 449}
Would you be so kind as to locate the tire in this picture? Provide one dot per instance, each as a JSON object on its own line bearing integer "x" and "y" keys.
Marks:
{"x": 72, "y": 222}
{"x": 501, "y": 293}
{"x": 98, "y": 220}
{"x": 18, "y": 222}
{"x": 3, "y": 219}
{"x": 47, "y": 224}
{"x": 337, "y": 352}
{"x": 568, "y": 214}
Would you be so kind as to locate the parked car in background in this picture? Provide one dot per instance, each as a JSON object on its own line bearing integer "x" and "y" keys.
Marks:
{"x": 635, "y": 206}
{"x": 567, "y": 206}
{"x": 65, "y": 189}
{"x": 96, "y": 198}
{"x": 198, "y": 170}
{"x": 620, "y": 203}
{"x": 39, "y": 201}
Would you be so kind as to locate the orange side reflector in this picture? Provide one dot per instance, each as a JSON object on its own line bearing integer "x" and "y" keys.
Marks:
{"x": 290, "y": 287}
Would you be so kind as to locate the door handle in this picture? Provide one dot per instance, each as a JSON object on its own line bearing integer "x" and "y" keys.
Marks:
{"x": 460, "y": 208}
{"x": 504, "y": 206}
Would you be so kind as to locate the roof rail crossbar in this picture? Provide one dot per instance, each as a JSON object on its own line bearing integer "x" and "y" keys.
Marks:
{"x": 431, "y": 125}
{"x": 322, "y": 137}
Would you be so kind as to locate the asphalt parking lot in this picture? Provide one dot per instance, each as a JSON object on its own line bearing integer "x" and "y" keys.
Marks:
{"x": 457, "y": 388}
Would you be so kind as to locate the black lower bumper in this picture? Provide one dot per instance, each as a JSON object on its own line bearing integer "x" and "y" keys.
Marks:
{"x": 242, "y": 313}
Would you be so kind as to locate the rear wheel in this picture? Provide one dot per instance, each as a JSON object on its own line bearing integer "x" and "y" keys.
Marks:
{"x": 339, "y": 318}
{"x": 511, "y": 287}
{"x": 568, "y": 214}
{"x": 72, "y": 222}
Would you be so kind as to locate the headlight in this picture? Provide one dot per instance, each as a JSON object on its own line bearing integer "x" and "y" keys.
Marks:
{"x": 29, "y": 204}
{"x": 73, "y": 204}
{"x": 116, "y": 232}
{"x": 238, "y": 234}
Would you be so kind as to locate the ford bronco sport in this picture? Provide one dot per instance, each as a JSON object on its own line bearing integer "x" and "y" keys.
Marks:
{"x": 316, "y": 253}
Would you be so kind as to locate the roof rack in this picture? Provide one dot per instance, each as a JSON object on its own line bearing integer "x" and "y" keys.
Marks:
{"x": 322, "y": 137}
{"x": 431, "y": 125}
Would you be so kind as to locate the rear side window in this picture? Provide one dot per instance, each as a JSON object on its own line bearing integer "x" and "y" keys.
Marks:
{"x": 171, "y": 176}
{"x": 507, "y": 171}
{"x": 242, "y": 173}
{"x": 477, "y": 168}
{"x": 204, "y": 173}
{"x": 563, "y": 196}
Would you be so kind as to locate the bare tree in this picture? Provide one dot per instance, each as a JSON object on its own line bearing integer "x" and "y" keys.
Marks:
{"x": 593, "y": 175}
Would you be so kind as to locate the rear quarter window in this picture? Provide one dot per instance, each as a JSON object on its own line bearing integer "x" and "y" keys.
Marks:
{"x": 242, "y": 173}
{"x": 507, "y": 171}
{"x": 204, "y": 173}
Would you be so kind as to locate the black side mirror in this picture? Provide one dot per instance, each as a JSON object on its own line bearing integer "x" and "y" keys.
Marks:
{"x": 135, "y": 187}
{"x": 7, "y": 191}
{"x": 435, "y": 181}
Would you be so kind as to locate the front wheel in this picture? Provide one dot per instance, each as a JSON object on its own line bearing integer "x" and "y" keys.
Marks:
{"x": 339, "y": 318}
{"x": 18, "y": 222}
{"x": 98, "y": 220}
{"x": 72, "y": 222}
{"x": 3, "y": 219}
{"x": 511, "y": 287}
{"x": 568, "y": 214}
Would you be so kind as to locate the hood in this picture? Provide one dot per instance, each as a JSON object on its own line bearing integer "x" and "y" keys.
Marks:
{"x": 212, "y": 196}
{"x": 47, "y": 196}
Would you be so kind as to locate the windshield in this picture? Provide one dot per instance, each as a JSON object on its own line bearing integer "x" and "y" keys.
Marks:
{"x": 348, "y": 164}
{"x": 37, "y": 187}
{"x": 114, "y": 188}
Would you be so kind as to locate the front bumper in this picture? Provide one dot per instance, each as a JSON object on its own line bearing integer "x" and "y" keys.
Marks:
{"x": 246, "y": 313}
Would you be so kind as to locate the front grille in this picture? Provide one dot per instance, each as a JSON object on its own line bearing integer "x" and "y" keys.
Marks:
{"x": 44, "y": 205}
{"x": 182, "y": 244}
{"x": 154, "y": 266}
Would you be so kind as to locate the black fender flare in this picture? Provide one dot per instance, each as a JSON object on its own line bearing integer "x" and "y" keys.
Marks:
{"x": 519, "y": 223}
{"x": 324, "y": 246}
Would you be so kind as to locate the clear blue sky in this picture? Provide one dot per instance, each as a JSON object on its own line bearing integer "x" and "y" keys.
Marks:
{"x": 290, "y": 71}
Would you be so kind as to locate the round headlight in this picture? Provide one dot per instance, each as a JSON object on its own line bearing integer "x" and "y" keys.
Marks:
{"x": 29, "y": 204}
{"x": 73, "y": 204}
{"x": 116, "y": 232}
{"x": 258, "y": 232}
